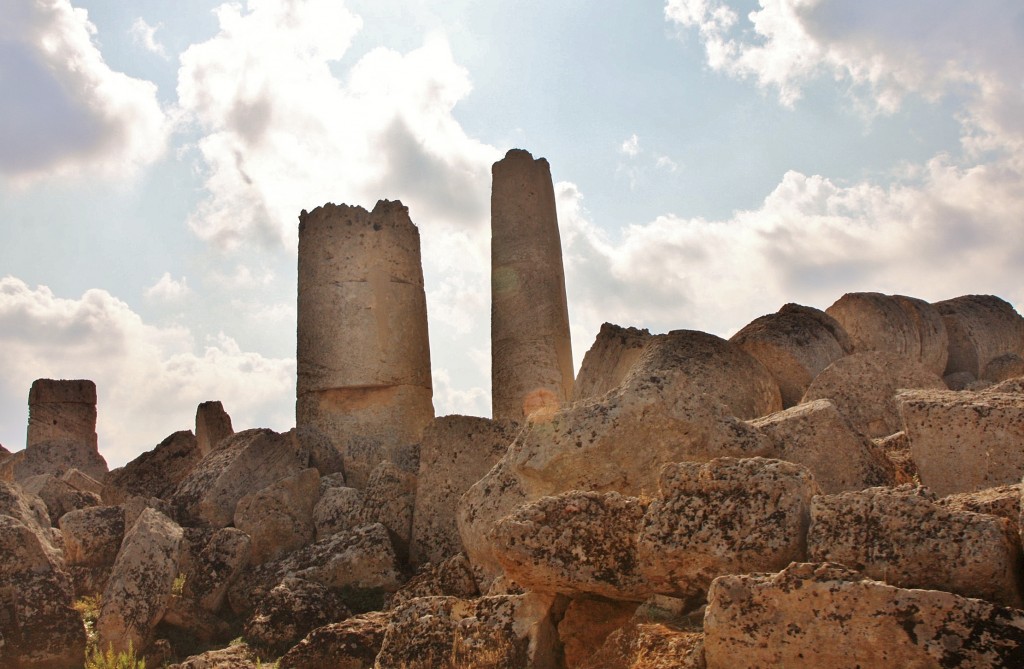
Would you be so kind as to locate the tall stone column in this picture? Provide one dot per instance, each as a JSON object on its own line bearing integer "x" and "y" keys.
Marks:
{"x": 531, "y": 353}
{"x": 363, "y": 351}
{"x": 61, "y": 430}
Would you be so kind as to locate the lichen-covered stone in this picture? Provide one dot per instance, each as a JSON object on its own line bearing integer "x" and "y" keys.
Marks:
{"x": 794, "y": 344}
{"x": 818, "y": 437}
{"x": 79, "y": 480}
{"x": 863, "y": 387}
{"x": 92, "y": 538}
{"x": 726, "y": 516}
{"x": 338, "y": 509}
{"x": 279, "y": 517}
{"x": 39, "y": 629}
{"x": 503, "y": 632}
{"x": 456, "y": 452}
{"x": 587, "y": 623}
{"x": 649, "y": 646}
{"x": 155, "y": 473}
{"x": 216, "y": 567}
{"x": 1002, "y": 501}
{"x": 903, "y": 537}
{"x": 449, "y": 578}
{"x": 245, "y": 462}
{"x": 609, "y": 360}
{"x": 815, "y": 615}
{"x": 964, "y": 441}
{"x": 389, "y": 499}
{"x": 235, "y": 656}
{"x": 575, "y": 543}
{"x": 139, "y": 589}
{"x": 292, "y": 609}
{"x": 349, "y": 644}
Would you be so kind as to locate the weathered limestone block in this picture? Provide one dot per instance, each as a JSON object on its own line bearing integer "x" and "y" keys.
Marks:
{"x": 456, "y": 452}
{"x": 61, "y": 430}
{"x": 38, "y": 627}
{"x": 821, "y": 615}
{"x": 903, "y": 537}
{"x": 1012, "y": 386}
{"x": 155, "y": 473}
{"x": 338, "y": 509}
{"x": 349, "y": 644}
{"x": 863, "y": 388}
{"x": 59, "y": 496}
{"x": 486, "y": 502}
{"x": 359, "y": 561}
{"x": 235, "y": 656}
{"x": 726, "y": 516}
{"x": 369, "y": 391}
{"x": 245, "y": 462}
{"x": 279, "y": 517}
{"x": 1002, "y": 502}
{"x": 92, "y": 538}
{"x": 649, "y": 646}
{"x": 897, "y": 451}
{"x": 981, "y": 328}
{"x": 8, "y": 461}
{"x": 609, "y": 360}
{"x": 79, "y": 480}
{"x": 388, "y": 499}
{"x": 139, "y": 589}
{"x": 1006, "y": 366}
{"x": 452, "y": 577}
{"x": 794, "y": 344}
{"x": 898, "y": 324}
{"x": 587, "y": 624}
{"x": 213, "y": 425}
{"x": 577, "y": 543}
{"x": 818, "y": 437}
{"x": 28, "y": 509}
{"x": 964, "y": 441}
{"x": 290, "y": 611}
{"x": 218, "y": 564}
{"x": 513, "y": 632}
{"x": 531, "y": 350}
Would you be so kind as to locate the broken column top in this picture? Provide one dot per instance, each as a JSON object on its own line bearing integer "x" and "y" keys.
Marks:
{"x": 79, "y": 391}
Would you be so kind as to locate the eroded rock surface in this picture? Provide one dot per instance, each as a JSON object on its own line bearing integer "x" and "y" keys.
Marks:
{"x": 349, "y": 644}
{"x": 279, "y": 517}
{"x": 981, "y": 328}
{"x": 155, "y": 473}
{"x": 292, "y": 609}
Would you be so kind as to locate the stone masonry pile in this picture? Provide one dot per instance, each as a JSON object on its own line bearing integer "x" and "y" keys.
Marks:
{"x": 837, "y": 488}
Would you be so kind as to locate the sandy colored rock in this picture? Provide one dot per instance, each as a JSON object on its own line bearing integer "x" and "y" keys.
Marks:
{"x": 28, "y": 509}
{"x": 139, "y": 589}
{"x": 820, "y": 615}
{"x": 60, "y": 497}
{"x": 279, "y": 517}
{"x": 235, "y": 656}
{"x": 38, "y": 627}
{"x": 586, "y": 624}
{"x": 486, "y": 502}
{"x": 863, "y": 388}
{"x": 898, "y": 324}
{"x": 388, "y": 499}
{"x": 531, "y": 350}
{"x": 219, "y": 562}
{"x": 361, "y": 561}
{"x": 576, "y": 543}
{"x": 818, "y": 437}
{"x": 61, "y": 430}
{"x": 92, "y": 538}
{"x": 339, "y": 509}
{"x": 155, "y": 473}
{"x": 452, "y": 577}
{"x": 368, "y": 391}
{"x": 794, "y": 344}
{"x": 290, "y": 611}
{"x": 722, "y": 517}
{"x": 896, "y": 447}
{"x": 609, "y": 360}
{"x": 1003, "y": 367}
{"x": 649, "y": 646}
{"x": 456, "y": 452}
{"x": 213, "y": 425}
{"x": 349, "y": 644}
{"x": 903, "y": 537}
{"x": 504, "y": 632}
{"x": 246, "y": 462}
{"x": 964, "y": 441}
{"x": 79, "y": 480}
{"x": 981, "y": 328}
{"x": 1002, "y": 502}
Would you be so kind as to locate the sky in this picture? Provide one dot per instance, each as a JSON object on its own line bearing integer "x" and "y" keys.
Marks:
{"x": 713, "y": 160}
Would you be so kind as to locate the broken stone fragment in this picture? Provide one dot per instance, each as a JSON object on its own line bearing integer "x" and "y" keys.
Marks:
{"x": 279, "y": 517}
{"x": 213, "y": 425}
{"x": 349, "y": 644}
{"x": 981, "y": 328}
{"x": 154, "y": 473}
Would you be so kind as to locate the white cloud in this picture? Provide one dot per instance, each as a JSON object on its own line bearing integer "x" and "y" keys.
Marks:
{"x": 168, "y": 289}
{"x": 448, "y": 399}
{"x": 949, "y": 231}
{"x": 631, "y": 147}
{"x": 666, "y": 163}
{"x": 882, "y": 50}
{"x": 145, "y": 35}
{"x": 64, "y": 109}
{"x": 149, "y": 379}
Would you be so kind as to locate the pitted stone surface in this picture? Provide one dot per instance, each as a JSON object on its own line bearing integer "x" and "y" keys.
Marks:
{"x": 863, "y": 387}
{"x": 609, "y": 360}
{"x": 531, "y": 350}
{"x": 61, "y": 430}
{"x": 369, "y": 391}
{"x": 903, "y": 537}
{"x": 722, "y": 517}
{"x": 218, "y": 563}
{"x": 964, "y": 441}
{"x": 213, "y": 425}
{"x": 155, "y": 473}
{"x": 349, "y": 644}
{"x": 794, "y": 344}
{"x": 290, "y": 611}
{"x": 981, "y": 328}
{"x": 279, "y": 517}
{"x": 821, "y": 615}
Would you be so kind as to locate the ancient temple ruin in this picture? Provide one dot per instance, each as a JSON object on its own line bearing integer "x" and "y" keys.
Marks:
{"x": 531, "y": 352}
{"x": 363, "y": 350}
